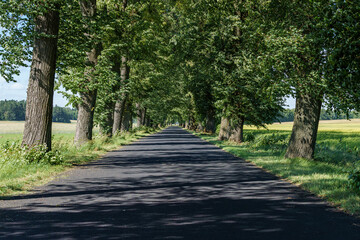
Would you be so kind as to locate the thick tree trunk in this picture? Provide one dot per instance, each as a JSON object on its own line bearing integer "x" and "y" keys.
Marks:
{"x": 237, "y": 134}
{"x": 85, "y": 119}
{"x": 192, "y": 124}
{"x": 86, "y": 107}
{"x": 306, "y": 122}
{"x": 224, "y": 133}
{"x": 120, "y": 104}
{"x": 39, "y": 102}
{"x": 118, "y": 115}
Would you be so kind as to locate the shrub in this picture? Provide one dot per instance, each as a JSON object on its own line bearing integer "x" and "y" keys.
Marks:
{"x": 269, "y": 140}
{"x": 249, "y": 137}
{"x": 354, "y": 179}
{"x": 13, "y": 153}
{"x": 39, "y": 154}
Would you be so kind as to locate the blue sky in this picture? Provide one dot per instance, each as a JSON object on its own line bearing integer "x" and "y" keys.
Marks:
{"x": 17, "y": 90}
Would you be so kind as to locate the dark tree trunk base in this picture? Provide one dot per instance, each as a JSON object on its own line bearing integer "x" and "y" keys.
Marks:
{"x": 224, "y": 133}
{"x": 85, "y": 119}
{"x": 237, "y": 134}
{"x": 304, "y": 132}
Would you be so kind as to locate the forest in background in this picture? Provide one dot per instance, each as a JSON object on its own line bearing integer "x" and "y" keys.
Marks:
{"x": 12, "y": 110}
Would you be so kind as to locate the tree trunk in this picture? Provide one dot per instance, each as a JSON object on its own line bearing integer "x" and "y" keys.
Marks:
{"x": 199, "y": 128}
{"x": 85, "y": 119}
{"x": 86, "y": 107}
{"x": 120, "y": 104}
{"x": 141, "y": 115}
{"x": 148, "y": 121}
{"x": 224, "y": 133}
{"x": 126, "y": 124}
{"x": 138, "y": 115}
{"x": 118, "y": 115}
{"x": 237, "y": 134}
{"x": 306, "y": 122}
{"x": 39, "y": 102}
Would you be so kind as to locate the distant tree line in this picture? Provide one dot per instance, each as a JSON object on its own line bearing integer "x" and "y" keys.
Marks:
{"x": 12, "y": 110}
{"x": 287, "y": 115}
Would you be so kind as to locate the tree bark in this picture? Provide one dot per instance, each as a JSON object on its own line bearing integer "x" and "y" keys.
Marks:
{"x": 199, "y": 127}
{"x": 120, "y": 103}
{"x": 224, "y": 133}
{"x": 305, "y": 127}
{"x": 39, "y": 102}
{"x": 138, "y": 115}
{"x": 86, "y": 107}
{"x": 237, "y": 134}
{"x": 118, "y": 115}
{"x": 85, "y": 119}
{"x": 141, "y": 115}
{"x": 127, "y": 119}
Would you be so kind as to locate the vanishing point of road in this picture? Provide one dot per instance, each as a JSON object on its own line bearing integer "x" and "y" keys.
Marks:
{"x": 171, "y": 185}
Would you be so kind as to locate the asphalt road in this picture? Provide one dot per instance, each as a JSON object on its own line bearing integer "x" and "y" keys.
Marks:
{"x": 172, "y": 185}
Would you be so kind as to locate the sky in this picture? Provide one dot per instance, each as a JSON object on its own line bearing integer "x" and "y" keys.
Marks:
{"x": 17, "y": 90}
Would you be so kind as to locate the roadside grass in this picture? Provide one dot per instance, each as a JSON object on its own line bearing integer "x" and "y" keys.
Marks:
{"x": 336, "y": 155}
{"x": 21, "y": 169}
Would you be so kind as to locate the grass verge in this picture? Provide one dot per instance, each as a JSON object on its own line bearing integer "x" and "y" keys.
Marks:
{"x": 22, "y": 169}
{"x": 327, "y": 176}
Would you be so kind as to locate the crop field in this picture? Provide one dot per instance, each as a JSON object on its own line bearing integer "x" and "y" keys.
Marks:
{"x": 13, "y": 130}
{"x": 352, "y": 125}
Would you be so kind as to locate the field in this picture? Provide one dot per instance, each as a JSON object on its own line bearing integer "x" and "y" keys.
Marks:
{"x": 22, "y": 169}
{"x": 352, "y": 125}
{"x": 12, "y": 130}
{"x": 337, "y": 155}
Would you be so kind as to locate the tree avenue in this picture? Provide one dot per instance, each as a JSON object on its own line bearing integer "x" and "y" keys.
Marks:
{"x": 211, "y": 66}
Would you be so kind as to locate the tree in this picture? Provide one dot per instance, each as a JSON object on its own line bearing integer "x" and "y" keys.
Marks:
{"x": 40, "y": 91}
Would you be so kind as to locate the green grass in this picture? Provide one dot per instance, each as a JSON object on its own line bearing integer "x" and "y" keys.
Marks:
{"x": 326, "y": 176}
{"x": 18, "y": 173}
